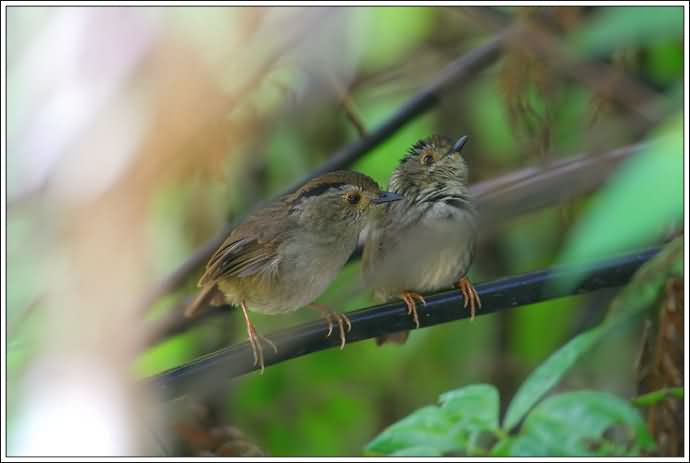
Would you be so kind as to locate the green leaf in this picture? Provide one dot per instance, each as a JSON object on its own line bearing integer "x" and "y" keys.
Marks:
{"x": 638, "y": 295}
{"x": 475, "y": 410}
{"x": 548, "y": 374}
{"x": 643, "y": 289}
{"x": 621, "y": 27}
{"x": 477, "y": 405}
{"x": 643, "y": 198}
{"x": 574, "y": 423}
{"x": 419, "y": 451}
{"x": 519, "y": 446}
{"x": 664, "y": 64}
{"x": 652, "y": 398}
{"x": 427, "y": 428}
{"x": 456, "y": 425}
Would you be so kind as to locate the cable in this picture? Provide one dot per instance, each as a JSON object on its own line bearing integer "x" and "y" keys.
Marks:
{"x": 442, "y": 307}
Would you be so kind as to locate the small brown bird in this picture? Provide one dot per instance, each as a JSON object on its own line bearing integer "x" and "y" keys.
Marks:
{"x": 284, "y": 256}
{"x": 425, "y": 242}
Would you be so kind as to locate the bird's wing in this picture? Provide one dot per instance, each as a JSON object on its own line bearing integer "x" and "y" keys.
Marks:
{"x": 251, "y": 248}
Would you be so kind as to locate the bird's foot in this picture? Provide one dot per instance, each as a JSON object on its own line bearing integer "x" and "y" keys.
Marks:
{"x": 409, "y": 298}
{"x": 470, "y": 295}
{"x": 340, "y": 319}
{"x": 255, "y": 340}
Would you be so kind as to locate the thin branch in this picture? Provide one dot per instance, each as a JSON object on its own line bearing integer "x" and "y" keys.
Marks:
{"x": 224, "y": 364}
{"x": 457, "y": 73}
{"x": 499, "y": 200}
{"x": 346, "y": 102}
{"x": 534, "y": 188}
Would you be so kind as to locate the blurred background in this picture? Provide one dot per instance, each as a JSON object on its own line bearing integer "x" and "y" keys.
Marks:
{"x": 135, "y": 134}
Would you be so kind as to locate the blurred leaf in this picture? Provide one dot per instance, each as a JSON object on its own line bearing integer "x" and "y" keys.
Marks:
{"x": 642, "y": 198}
{"x": 490, "y": 122}
{"x": 644, "y": 287}
{"x": 541, "y": 328}
{"x": 433, "y": 431}
{"x": 548, "y": 374}
{"x": 573, "y": 424}
{"x": 650, "y": 277}
{"x": 285, "y": 159}
{"x": 169, "y": 354}
{"x": 619, "y": 27}
{"x": 664, "y": 62}
{"x": 387, "y": 34}
{"x": 652, "y": 398}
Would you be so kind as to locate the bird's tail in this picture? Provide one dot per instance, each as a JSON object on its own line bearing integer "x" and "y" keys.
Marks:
{"x": 208, "y": 294}
{"x": 394, "y": 338}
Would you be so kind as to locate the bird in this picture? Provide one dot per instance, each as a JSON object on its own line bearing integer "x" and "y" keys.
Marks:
{"x": 285, "y": 255}
{"x": 426, "y": 241}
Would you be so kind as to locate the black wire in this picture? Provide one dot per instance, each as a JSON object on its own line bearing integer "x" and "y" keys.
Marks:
{"x": 371, "y": 322}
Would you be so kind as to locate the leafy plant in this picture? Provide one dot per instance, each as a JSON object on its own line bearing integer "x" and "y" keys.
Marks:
{"x": 579, "y": 423}
{"x": 639, "y": 202}
{"x": 614, "y": 28}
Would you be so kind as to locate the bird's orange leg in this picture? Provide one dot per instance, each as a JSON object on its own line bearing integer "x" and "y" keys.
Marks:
{"x": 255, "y": 339}
{"x": 329, "y": 315}
{"x": 409, "y": 298}
{"x": 470, "y": 295}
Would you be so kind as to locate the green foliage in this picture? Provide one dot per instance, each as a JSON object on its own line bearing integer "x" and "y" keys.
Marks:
{"x": 570, "y": 424}
{"x": 654, "y": 397}
{"x": 644, "y": 288}
{"x": 576, "y": 424}
{"x": 548, "y": 374}
{"x": 463, "y": 416}
{"x": 383, "y": 27}
{"x": 665, "y": 62}
{"x": 643, "y": 197}
{"x": 490, "y": 121}
{"x": 615, "y": 28}
{"x": 168, "y": 354}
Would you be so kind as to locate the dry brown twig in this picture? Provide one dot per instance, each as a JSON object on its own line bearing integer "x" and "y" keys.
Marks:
{"x": 346, "y": 102}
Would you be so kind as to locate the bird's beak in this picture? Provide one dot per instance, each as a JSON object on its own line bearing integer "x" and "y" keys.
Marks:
{"x": 386, "y": 197}
{"x": 457, "y": 147}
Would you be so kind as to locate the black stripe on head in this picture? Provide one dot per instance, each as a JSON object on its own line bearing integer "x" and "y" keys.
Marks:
{"x": 319, "y": 189}
{"x": 433, "y": 142}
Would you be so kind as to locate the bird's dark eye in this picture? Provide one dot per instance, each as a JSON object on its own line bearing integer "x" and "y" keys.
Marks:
{"x": 353, "y": 198}
{"x": 427, "y": 159}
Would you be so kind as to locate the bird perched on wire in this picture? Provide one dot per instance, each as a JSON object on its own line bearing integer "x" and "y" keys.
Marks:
{"x": 284, "y": 256}
{"x": 426, "y": 242}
